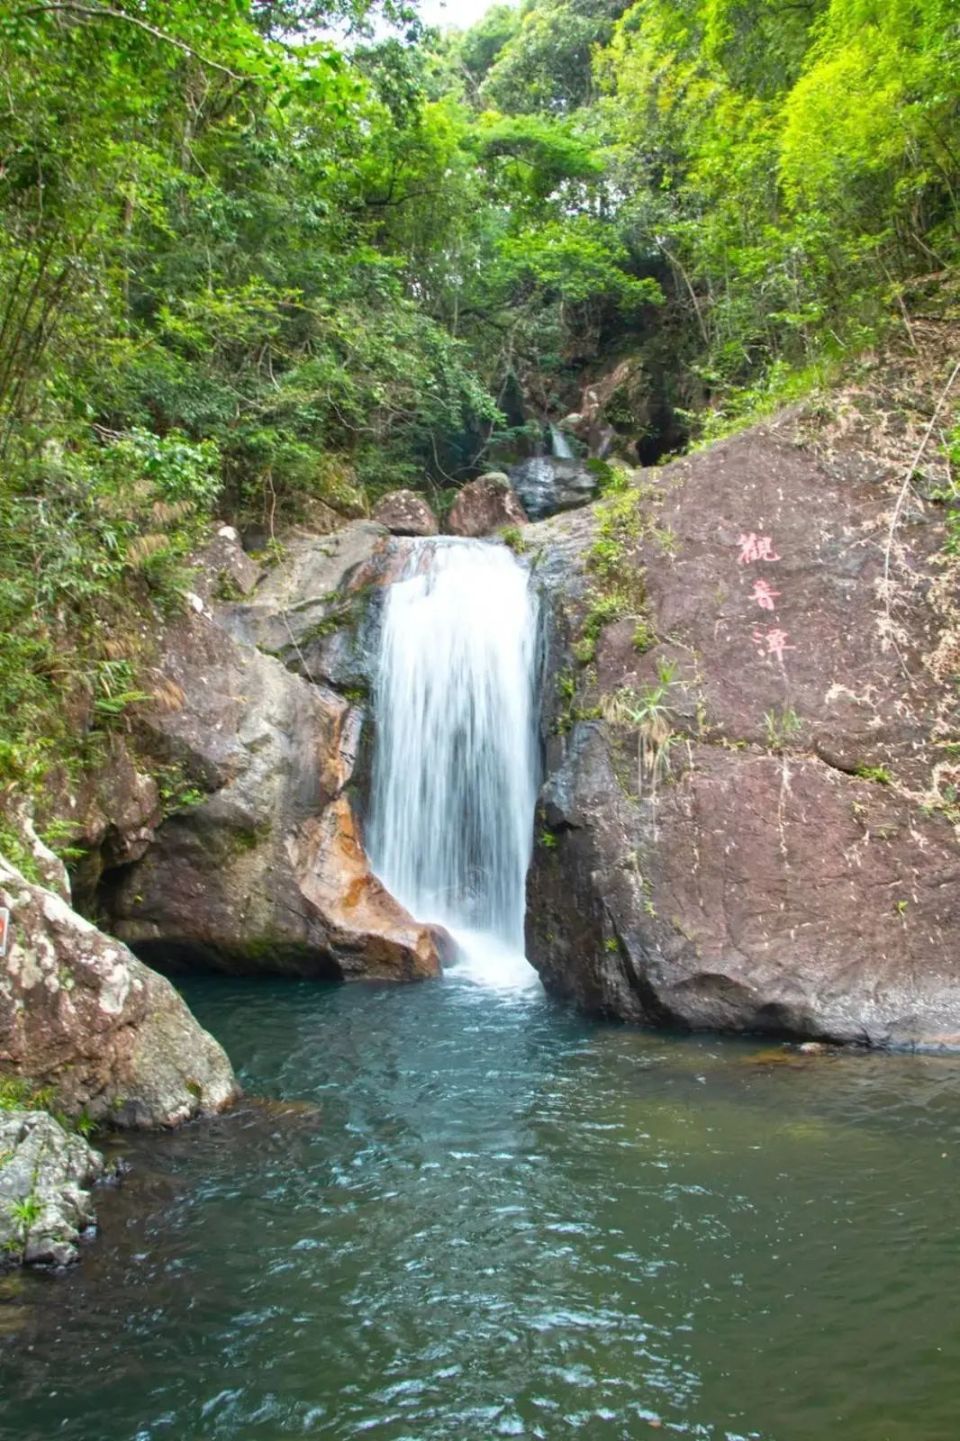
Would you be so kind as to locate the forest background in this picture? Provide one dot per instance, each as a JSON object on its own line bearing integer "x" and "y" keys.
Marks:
{"x": 263, "y": 256}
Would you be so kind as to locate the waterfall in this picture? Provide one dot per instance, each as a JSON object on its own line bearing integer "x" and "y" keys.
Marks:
{"x": 562, "y": 449}
{"x": 455, "y": 772}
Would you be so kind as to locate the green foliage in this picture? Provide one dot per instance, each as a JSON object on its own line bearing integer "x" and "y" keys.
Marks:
{"x": 603, "y": 608}
{"x": 543, "y": 62}
{"x": 15, "y": 1095}
{"x": 793, "y": 164}
{"x": 643, "y": 638}
{"x": 880, "y": 775}
{"x": 512, "y": 537}
{"x": 240, "y": 276}
{"x": 781, "y": 727}
{"x": 650, "y": 712}
{"x": 26, "y": 1212}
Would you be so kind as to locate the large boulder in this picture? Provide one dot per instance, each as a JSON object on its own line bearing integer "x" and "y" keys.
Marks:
{"x": 82, "y": 1017}
{"x": 485, "y": 506}
{"x": 262, "y": 868}
{"x": 749, "y": 816}
{"x": 45, "y": 1177}
{"x": 403, "y": 512}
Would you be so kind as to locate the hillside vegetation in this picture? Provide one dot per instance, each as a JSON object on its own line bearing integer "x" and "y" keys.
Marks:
{"x": 258, "y": 255}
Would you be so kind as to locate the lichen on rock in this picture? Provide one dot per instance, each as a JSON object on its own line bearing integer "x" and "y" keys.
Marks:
{"x": 45, "y": 1177}
{"x": 82, "y": 1017}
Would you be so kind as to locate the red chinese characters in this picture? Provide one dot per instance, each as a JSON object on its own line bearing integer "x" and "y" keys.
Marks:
{"x": 755, "y": 547}
{"x": 764, "y": 594}
{"x": 772, "y": 642}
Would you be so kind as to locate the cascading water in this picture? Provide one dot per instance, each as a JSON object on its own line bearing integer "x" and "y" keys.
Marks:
{"x": 455, "y": 769}
{"x": 560, "y": 445}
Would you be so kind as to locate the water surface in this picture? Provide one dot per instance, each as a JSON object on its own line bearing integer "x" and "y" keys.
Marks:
{"x": 475, "y": 1215}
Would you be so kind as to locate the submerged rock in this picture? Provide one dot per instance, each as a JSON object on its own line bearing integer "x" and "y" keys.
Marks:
{"x": 45, "y": 1177}
{"x": 79, "y": 1014}
{"x": 747, "y": 821}
{"x": 485, "y": 506}
{"x": 403, "y": 512}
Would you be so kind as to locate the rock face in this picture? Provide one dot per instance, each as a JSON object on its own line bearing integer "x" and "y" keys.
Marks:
{"x": 484, "y": 506}
{"x": 81, "y": 1015}
{"x": 263, "y": 870}
{"x": 547, "y": 485}
{"x": 403, "y": 512}
{"x": 45, "y": 1179}
{"x": 749, "y": 816}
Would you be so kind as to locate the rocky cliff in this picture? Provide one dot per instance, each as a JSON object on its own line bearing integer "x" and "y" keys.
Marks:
{"x": 263, "y": 869}
{"x": 749, "y": 815}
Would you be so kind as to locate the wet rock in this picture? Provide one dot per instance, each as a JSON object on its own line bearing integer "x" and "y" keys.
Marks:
{"x": 547, "y": 485}
{"x": 370, "y": 933}
{"x": 403, "y": 512}
{"x": 779, "y": 855}
{"x": 484, "y": 506}
{"x": 45, "y": 1178}
{"x": 81, "y": 1015}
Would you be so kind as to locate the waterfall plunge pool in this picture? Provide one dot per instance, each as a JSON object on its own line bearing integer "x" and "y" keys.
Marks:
{"x": 471, "y": 1214}
{"x": 474, "y": 1214}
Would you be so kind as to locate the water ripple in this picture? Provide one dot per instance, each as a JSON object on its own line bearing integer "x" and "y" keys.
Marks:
{"x": 468, "y": 1215}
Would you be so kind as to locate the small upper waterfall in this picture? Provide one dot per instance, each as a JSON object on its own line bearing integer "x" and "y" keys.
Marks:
{"x": 454, "y": 776}
{"x": 560, "y": 444}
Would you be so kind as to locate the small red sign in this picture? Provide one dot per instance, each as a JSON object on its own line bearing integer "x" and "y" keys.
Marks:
{"x": 4, "y": 930}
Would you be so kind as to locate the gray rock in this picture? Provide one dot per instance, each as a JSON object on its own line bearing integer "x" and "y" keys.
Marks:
{"x": 45, "y": 1179}
{"x": 547, "y": 485}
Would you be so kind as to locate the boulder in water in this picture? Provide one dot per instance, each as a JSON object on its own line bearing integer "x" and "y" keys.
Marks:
{"x": 403, "y": 512}
{"x": 45, "y": 1177}
{"x": 548, "y": 484}
{"x": 369, "y": 932}
{"x": 81, "y": 1015}
{"x": 485, "y": 506}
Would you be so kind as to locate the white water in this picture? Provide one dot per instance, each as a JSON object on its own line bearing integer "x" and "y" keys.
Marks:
{"x": 562, "y": 449}
{"x": 454, "y": 780}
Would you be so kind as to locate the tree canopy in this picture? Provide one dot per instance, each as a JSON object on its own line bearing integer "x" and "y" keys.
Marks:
{"x": 260, "y": 254}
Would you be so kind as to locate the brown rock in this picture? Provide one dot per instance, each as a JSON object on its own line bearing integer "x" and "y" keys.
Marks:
{"x": 403, "y": 512}
{"x": 485, "y": 506}
{"x": 369, "y": 931}
{"x": 745, "y": 877}
{"x": 80, "y": 1014}
{"x": 267, "y": 874}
